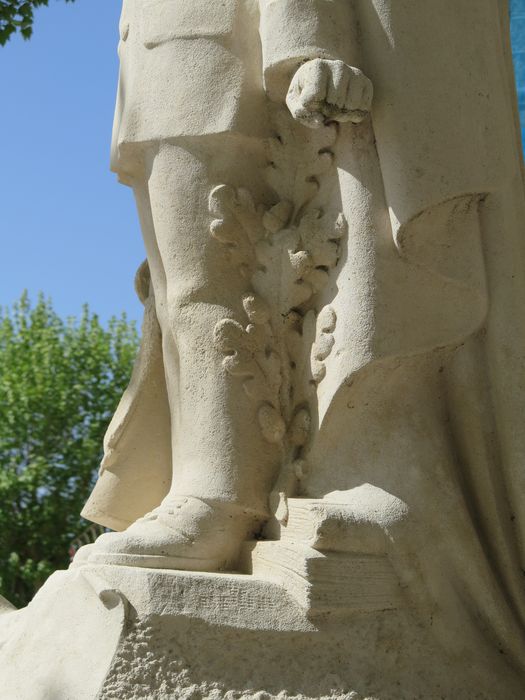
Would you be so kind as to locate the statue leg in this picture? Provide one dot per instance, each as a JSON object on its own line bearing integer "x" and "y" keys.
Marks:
{"x": 223, "y": 468}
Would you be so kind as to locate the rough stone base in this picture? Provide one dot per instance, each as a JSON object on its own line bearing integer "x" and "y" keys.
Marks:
{"x": 179, "y": 658}
{"x": 117, "y": 633}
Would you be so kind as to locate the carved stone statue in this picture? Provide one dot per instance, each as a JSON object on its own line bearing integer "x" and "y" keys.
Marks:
{"x": 328, "y": 403}
{"x": 237, "y": 260}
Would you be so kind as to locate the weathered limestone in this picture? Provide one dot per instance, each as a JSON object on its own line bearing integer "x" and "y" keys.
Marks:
{"x": 135, "y": 633}
{"x": 316, "y": 474}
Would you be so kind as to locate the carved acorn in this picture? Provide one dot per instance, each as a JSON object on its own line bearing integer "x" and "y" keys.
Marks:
{"x": 256, "y": 309}
{"x": 300, "y": 428}
{"x": 272, "y": 424}
{"x": 324, "y": 342}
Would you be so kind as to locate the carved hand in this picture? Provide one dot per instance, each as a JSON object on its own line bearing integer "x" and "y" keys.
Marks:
{"x": 323, "y": 90}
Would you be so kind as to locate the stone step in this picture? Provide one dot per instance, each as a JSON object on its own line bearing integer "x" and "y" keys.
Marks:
{"x": 322, "y": 582}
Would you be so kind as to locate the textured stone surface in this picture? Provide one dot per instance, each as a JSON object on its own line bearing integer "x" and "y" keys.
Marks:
{"x": 61, "y": 646}
{"x": 173, "y": 635}
{"x": 265, "y": 654}
{"x": 179, "y": 658}
{"x": 332, "y": 204}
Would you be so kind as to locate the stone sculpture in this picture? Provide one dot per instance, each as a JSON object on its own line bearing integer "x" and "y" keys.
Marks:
{"x": 235, "y": 264}
{"x": 328, "y": 402}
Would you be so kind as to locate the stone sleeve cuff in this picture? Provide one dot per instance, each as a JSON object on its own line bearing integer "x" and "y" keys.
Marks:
{"x": 295, "y": 31}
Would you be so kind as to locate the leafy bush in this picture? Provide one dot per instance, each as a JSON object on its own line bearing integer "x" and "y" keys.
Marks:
{"x": 60, "y": 382}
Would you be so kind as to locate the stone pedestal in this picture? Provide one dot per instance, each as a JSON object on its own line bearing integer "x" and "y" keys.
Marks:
{"x": 116, "y": 633}
{"x": 305, "y": 624}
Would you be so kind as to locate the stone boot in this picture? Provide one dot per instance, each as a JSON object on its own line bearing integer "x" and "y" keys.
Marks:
{"x": 182, "y": 533}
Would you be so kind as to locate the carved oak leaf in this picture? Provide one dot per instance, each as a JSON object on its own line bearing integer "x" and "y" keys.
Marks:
{"x": 298, "y": 157}
{"x": 249, "y": 355}
{"x": 320, "y": 235}
{"x": 238, "y": 225}
{"x": 279, "y": 277}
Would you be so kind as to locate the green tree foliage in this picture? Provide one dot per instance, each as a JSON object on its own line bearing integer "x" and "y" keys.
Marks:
{"x": 60, "y": 382}
{"x": 17, "y": 16}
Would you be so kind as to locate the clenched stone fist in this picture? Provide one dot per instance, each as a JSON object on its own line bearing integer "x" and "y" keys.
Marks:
{"x": 324, "y": 90}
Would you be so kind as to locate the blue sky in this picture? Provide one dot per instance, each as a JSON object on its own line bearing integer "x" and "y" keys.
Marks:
{"x": 66, "y": 226}
{"x": 517, "y": 9}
